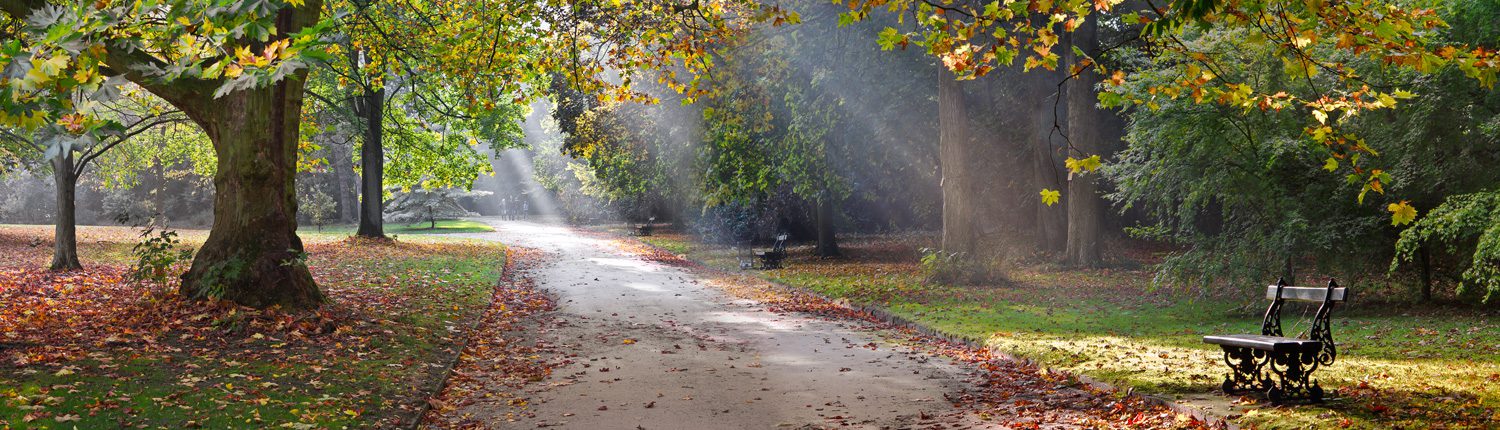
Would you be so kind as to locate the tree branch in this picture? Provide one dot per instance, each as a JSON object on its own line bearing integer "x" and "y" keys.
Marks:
{"x": 166, "y": 118}
{"x": 21, "y": 9}
{"x": 22, "y": 139}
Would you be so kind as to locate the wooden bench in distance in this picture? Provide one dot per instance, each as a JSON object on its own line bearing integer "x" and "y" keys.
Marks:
{"x": 644, "y": 229}
{"x": 771, "y": 259}
{"x": 1276, "y": 365}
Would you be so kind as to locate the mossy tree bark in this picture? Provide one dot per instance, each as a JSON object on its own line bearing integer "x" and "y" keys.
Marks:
{"x": 253, "y": 255}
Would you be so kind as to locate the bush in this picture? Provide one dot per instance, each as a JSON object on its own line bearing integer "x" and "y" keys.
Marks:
{"x": 155, "y": 255}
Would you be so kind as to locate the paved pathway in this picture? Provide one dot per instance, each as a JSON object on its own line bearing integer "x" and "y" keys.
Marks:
{"x": 657, "y": 348}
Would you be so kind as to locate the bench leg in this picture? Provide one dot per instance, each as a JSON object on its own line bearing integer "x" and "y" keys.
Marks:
{"x": 1245, "y": 370}
{"x": 1294, "y": 378}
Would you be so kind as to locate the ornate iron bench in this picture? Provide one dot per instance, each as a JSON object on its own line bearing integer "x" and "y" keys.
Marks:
{"x": 644, "y": 229}
{"x": 771, "y": 259}
{"x": 1278, "y": 366}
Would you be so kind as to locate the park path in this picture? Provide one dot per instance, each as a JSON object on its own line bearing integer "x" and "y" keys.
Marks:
{"x": 658, "y": 348}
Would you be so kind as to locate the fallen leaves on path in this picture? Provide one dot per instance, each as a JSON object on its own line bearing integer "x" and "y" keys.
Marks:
{"x": 496, "y": 363}
{"x": 1012, "y": 393}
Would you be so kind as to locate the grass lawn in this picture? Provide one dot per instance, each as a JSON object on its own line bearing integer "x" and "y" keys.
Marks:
{"x": 93, "y": 350}
{"x": 1400, "y": 365}
{"x": 443, "y": 226}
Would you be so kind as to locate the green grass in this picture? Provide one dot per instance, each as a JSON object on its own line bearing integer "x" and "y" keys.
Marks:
{"x": 443, "y": 227}
{"x": 1400, "y": 365}
{"x": 395, "y": 307}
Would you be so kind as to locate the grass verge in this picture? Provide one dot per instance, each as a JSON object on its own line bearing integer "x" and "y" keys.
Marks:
{"x": 89, "y": 349}
{"x": 1400, "y": 366}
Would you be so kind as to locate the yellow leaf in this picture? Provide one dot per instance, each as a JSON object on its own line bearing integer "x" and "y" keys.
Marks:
{"x": 1089, "y": 164}
{"x": 1386, "y": 100}
{"x": 1050, "y": 197}
{"x": 1092, "y": 163}
{"x": 1321, "y": 116}
{"x": 1402, "y": 213}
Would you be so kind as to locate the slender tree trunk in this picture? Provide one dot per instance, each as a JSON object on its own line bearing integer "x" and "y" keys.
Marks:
{"x": 65, "y": 236}
{"x": 253, "y": 255}
{"x": 828, "y": 245}
{"x": 344, "y": 199}
{"x": 1289, "y": 271}
{"x": 1085, "y": 124}
{"x": 432, "y": 219}
{"x": 372, "y": 166}
{"x": 1426, "y": 273}
{"x": 954, "y": 153}
{"x": 159, "y": 195}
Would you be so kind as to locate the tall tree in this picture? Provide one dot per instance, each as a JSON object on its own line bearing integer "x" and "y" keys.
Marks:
{"x": 71, "y": 145}
{"x": 243, "y": 88}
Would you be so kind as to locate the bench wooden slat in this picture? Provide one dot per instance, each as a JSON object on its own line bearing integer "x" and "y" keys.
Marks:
{"x": 1307, "y": 294}
{"x": 1265, "y": 343}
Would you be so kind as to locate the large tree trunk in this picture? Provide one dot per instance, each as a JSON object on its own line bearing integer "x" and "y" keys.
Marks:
{"x": 1085, "y": 125}
{"x": 828, "y": 245}
{"x": 372, "y": 165}
{"x": 65, "y": 236}
{"x": 959, "y": 232}
{"x": 1047, "y": 169}
{"x": 253, "y": 255}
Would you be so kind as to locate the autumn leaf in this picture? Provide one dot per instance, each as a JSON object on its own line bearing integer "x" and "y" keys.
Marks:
{"x": 1050, "y": 197}
{"x": 1321, "y": 116}
{"x": 1402, "y": 213}
{"x": 1086, "y": 165}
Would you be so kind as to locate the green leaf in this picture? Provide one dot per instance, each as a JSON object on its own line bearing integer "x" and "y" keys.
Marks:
{"x": 888, "y": 38}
